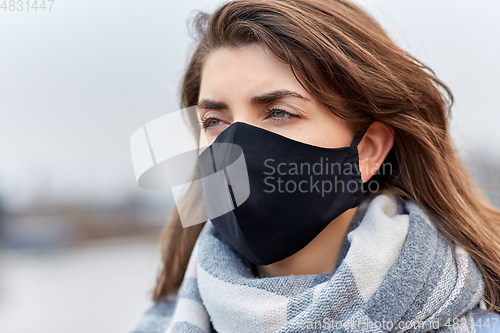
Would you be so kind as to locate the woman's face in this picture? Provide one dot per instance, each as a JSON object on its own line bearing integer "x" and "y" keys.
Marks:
{"x": 249, "y": 85}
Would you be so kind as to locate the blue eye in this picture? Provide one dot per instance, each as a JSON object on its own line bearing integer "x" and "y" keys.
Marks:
{"x": 211, "y": 122}
{"x": 277, "y": 114}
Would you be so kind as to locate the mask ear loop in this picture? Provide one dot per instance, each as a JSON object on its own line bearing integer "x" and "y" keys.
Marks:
{"x": 357, "y": 140}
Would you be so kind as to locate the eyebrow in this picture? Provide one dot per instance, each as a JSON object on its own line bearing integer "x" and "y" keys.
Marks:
{"x": 266, "y": 98}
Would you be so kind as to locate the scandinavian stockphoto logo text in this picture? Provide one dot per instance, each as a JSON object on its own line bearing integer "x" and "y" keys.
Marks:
{"x": 304, "y": 177}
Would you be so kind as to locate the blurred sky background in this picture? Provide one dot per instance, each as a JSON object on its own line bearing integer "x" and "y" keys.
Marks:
{"x": 77, "y": 81}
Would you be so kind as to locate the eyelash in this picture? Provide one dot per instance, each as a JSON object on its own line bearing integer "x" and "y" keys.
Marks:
{"x": 268, "y": 113}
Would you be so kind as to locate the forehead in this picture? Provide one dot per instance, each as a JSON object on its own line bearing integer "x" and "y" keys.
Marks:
{"x": 245, "y": 72}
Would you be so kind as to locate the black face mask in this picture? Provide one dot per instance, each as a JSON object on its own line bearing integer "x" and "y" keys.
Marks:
{"x": 295, "y": 190}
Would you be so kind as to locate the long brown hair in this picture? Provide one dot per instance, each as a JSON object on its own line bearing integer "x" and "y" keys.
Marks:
{"x": 343, "y": 57}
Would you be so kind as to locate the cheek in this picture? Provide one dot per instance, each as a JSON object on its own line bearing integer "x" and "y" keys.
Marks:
{"x": 211, "y": 134}
{"x": 325, "y": 133}
{"x": 204, "y": 140}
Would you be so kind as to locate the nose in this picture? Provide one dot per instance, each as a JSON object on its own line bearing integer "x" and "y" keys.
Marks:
{"x": 247, "y": 115}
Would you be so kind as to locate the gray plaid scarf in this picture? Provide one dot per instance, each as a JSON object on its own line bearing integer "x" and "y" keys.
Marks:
{"x": 396, "y": 273}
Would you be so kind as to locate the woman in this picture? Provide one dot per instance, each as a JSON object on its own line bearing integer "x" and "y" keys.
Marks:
{"x": 414, "y": 248}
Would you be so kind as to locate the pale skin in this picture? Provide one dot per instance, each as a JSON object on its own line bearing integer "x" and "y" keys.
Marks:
{"x": 231, "y": 78}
